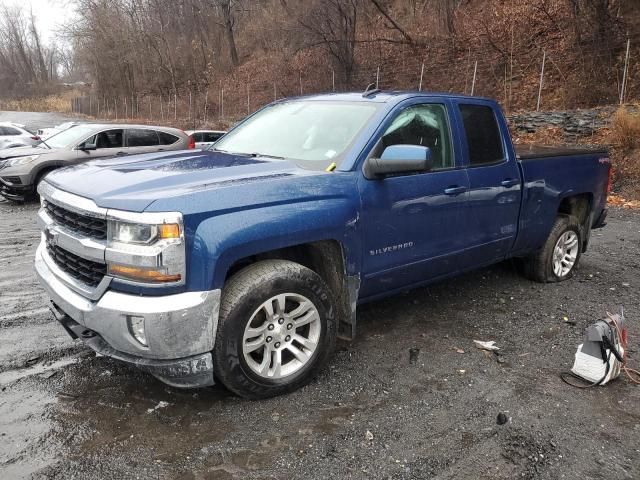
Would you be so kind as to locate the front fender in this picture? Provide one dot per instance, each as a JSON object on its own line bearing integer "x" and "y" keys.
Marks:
{"x": 220, "y": 241}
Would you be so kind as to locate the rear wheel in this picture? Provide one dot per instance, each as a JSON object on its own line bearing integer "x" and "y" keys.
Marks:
{"x": 559, "y": 257}
{"x": 276, "y": 329}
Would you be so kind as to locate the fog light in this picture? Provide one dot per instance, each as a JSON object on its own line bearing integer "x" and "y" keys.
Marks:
{"x": 136, "y": 328}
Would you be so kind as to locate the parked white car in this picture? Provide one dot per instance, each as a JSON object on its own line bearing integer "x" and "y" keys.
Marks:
{"x": 205, "y": 138}
{"x": 45, "y": 133}
{"x": 16, "y": 135}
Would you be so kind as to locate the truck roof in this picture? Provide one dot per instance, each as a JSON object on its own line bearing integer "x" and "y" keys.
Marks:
{"x": 381, "y": 96}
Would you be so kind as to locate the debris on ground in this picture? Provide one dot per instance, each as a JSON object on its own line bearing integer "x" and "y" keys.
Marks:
{"x": 161, "y": 404}
{"x": 413, "y": 355}
{"x": 368, "y": 435}
{"x": 489, "y": 346}
{"x": 501, "y": 419}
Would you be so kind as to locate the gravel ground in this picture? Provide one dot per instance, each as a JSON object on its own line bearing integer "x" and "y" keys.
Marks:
{"x": 371, "y": 414}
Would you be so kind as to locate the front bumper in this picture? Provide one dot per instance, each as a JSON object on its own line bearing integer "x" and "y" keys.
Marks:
{"x": 12, "y": 188}
{"x": 180, "y": 329}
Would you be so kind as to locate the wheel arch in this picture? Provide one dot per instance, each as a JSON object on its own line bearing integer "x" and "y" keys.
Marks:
{"x": 328, "y": 258}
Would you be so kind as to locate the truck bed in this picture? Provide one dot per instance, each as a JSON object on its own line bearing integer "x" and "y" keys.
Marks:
{"x": 528, "y": 152}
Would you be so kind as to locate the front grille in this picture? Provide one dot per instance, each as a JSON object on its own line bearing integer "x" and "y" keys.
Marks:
{"x": 86, "y": 271}
{"x": 82, "y": 224}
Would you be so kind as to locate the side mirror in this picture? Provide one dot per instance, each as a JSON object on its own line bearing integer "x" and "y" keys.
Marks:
{"x": 399, "y": 159}
{"x": 86, "y": 146}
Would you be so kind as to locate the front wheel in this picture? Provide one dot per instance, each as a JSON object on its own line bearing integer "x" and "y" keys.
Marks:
{"x": 276, "y": 329}
{"x": 559, "y": 257}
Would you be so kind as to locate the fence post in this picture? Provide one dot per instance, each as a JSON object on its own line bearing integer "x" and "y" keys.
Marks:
{"x": 175, "y": 105}
{"x": 473, "y": 82}
{"x": 333, "y": 79}
{"x": 377, "y": 76}
{"x": 115, "y": 103}
{"x": 248, "y": 103}
{"x": 149, "y": 102}
{"x": 275, "y": 97}
{"x": 161, "y": 109}
{"x": 126, "y": 108}
{"x": 624, "y": 75}
{"x": 222, "y": 103}
{"x": 300, "y": 80}
{"x": 421, "y": 75}
{"x": 189, "y": 105}
{"x": 544, "y": 57}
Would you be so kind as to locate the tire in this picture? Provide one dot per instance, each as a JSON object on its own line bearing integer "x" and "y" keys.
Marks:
{"x": 540, "y": 267}
{"x": 244, "y": 312}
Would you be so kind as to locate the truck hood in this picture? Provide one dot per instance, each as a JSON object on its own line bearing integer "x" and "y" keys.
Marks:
{"x": 134, "y": 182}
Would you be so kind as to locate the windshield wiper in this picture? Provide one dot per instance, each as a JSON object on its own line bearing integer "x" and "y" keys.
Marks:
{"x": 45, "y": 143}
{"x": 252, "y": 155}
{"x": 255, "y": 154}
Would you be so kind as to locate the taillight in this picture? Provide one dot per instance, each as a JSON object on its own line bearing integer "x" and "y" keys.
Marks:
{"x": 192, "y": 142}
{"x": 35, "y": 137}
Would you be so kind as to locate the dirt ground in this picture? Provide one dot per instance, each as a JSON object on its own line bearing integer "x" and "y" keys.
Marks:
{"x": 371, "y": 414}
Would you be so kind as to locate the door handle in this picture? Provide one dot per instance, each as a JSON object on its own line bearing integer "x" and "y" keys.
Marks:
{"x": 455, "y": 190}
{"x": 121, "y": 153}
{"x": 510, "y": 182}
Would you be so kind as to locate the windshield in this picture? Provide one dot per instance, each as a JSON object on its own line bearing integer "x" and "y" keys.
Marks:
{"x": 314, "y": 134}
{"x": 69, "y": 138}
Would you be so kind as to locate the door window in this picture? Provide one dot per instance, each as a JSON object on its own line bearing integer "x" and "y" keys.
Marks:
{"x": 210, "y": 136}
{"x": 138, "y": 137}
{"x": 197, "y": 137}
{"x": 108, "y": 139}
{"x": 9, "y": 131}
{"x": 167, "y": 138}
{"x": 483, "y": 134}
{"x": 424, "y": 125}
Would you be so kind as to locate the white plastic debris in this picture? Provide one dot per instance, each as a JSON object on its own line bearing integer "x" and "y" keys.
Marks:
{"x": 161, "y": 404}
{"x": 490, "y": 345}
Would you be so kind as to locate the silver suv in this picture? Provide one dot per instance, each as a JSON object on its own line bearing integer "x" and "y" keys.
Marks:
{"x": 22, "y": 168}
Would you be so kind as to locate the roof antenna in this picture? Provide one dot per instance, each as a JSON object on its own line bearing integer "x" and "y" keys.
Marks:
{"x": 373, "y": 91}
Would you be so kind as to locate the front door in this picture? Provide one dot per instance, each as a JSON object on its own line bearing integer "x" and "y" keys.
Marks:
{"x": 411, "y": 223}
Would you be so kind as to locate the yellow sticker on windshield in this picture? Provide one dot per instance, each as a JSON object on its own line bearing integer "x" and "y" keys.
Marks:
{"x": 331, "y": 167}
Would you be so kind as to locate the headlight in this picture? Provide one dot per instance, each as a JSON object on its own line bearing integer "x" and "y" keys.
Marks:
{"x": 13, "y": 162}
{"x": 146, "y": 253}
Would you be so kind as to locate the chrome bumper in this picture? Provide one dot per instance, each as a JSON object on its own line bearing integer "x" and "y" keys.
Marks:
{"x": 180, "y": 329}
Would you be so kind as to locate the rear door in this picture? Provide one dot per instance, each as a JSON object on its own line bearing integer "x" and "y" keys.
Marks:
{"x": 412, "y": 222}
{"x": 142, "y": 140}
{"x": 493, "y": 207}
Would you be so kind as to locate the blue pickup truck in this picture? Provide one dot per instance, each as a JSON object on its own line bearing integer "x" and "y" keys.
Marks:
{"x": 246, "y": 261}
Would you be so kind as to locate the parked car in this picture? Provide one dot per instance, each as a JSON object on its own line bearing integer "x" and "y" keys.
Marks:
{"x": 22, "y": 169}
{"x": 45, "y": 133}
{"x": 243, "y": 263}
{"x": 205, "y": 138}
{"x": 16, "y": 135}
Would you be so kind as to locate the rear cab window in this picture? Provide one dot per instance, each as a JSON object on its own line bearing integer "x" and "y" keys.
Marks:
{"x": 483, "y": 134}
